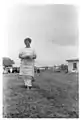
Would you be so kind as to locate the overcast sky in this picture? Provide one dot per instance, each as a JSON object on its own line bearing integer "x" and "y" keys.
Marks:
{"x": 53, "y": 29}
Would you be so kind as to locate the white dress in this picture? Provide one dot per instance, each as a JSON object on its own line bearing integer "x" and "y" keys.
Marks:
{"x": 27, "y": 65}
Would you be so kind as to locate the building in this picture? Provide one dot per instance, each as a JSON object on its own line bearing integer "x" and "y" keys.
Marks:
{"x": 56, "y": 68}
{"x": 73, "y": 65}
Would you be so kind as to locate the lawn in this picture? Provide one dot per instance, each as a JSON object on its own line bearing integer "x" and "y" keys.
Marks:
{"x": 54, "y": 95}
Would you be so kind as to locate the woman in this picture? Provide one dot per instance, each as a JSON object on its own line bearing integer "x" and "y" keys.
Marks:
{"x": 27, "y": 56}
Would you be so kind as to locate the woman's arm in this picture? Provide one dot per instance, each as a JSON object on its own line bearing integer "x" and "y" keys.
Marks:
{"x": 34, "y": 57}
{"x": 34, "y": 54}
{"x": 20, "y": 55}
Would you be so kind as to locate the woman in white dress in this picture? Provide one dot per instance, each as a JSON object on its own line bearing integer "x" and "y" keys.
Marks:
{"x": 27, "y": 56}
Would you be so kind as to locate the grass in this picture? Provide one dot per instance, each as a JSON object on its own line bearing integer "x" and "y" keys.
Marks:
{"x": 54, "y": 95}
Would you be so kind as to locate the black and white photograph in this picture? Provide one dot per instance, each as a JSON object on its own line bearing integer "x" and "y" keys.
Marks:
{"x": 41, "y": 67}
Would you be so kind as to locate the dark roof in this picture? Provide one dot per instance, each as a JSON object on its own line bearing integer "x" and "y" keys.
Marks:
{"x": 72, "y": 60}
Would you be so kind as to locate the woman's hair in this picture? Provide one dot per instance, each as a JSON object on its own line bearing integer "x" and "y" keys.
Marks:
{"x": 27, "y": 39}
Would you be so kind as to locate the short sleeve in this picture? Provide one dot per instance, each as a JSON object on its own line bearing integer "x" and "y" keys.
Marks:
{"x": 21, "y": 51}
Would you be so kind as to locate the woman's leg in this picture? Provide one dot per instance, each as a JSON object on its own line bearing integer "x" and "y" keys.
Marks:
{"x": 28, "y": 81}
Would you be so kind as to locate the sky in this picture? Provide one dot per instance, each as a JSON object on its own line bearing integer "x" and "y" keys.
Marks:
{"x": 52, "y": 28}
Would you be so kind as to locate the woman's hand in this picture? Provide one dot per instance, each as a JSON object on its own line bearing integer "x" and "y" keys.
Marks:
{"x": 24, "y": 57}
{"x": 27, "y": 57}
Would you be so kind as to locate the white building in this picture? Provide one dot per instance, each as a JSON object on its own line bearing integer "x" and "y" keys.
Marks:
{"x": 73, "y": 65}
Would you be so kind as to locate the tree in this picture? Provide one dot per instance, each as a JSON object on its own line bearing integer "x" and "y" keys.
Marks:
{"x": 7, "y": 62}
{"x": 64, "y": 67}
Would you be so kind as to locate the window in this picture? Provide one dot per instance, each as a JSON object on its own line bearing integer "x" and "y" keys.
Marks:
{"x": 74, "y": 66}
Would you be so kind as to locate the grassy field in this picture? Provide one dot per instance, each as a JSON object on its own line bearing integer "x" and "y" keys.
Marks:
{"x": 54, "y": 95}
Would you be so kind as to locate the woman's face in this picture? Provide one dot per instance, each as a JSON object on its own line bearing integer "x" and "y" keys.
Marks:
{"x": 27, "y": 43}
